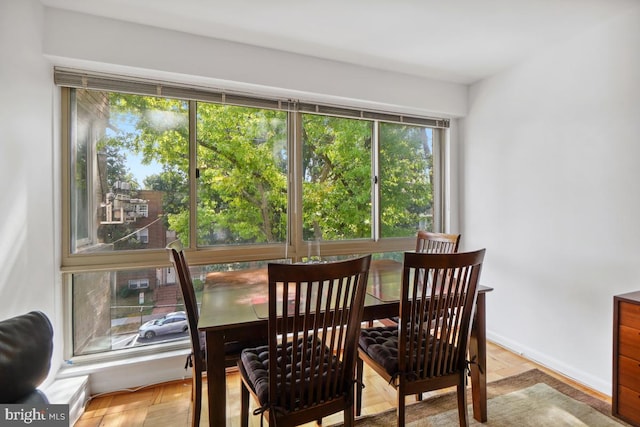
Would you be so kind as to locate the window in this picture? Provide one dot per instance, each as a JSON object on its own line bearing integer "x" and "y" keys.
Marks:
{"x": 143, "y": 235}
{"x": 129, "y": 170}
{"x": 406, "y": 179}
{"x": 336, "y": 178}
{"x": 242, "y": 175}
{"x": 138, "y": 284}
{"x": 239, "y": 180}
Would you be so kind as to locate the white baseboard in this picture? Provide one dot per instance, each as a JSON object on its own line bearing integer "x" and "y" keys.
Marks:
{"x": 562, "y": 368}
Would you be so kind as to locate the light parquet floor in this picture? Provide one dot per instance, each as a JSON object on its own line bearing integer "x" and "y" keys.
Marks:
{"x": 168, "y": 405}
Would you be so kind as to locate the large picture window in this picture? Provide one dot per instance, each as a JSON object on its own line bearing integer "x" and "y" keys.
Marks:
{"x": 239, "y": 180}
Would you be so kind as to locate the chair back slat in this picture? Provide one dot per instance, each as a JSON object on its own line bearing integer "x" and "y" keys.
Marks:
{"x": 315, "y": 312}
{"x": 431, "y": 242}
{"x": 438, "y": 300}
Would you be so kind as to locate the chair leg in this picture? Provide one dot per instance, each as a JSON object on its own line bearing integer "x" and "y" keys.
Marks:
{"x": 462, "y": 402}
{"x": 196, "y": 392}
{"x": 244, "y": 405}
{"x": 358, "y": 385}
{"x": 349, "y": 418}
{"x": 400, "y": 411}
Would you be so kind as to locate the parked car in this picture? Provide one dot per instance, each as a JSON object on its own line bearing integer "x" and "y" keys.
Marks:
{"x": 170, "y": 323}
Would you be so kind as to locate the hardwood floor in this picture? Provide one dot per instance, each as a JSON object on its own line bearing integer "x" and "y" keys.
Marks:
{"x": 169, "y": 405}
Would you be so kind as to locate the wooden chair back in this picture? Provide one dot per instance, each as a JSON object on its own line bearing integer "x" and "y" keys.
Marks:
{"x": 430, "y": 242}
{"x": 197, "y": 358}
{"x": 315, "y": 311}
{"x": 183, "y": 275}
{"x": 439, "y": 293}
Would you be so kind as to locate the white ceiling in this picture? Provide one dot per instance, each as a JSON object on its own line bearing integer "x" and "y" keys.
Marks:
{"x": 453, "y": 40}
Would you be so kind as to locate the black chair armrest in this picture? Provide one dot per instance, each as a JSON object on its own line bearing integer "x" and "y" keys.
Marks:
{"x": 26, "y": 346}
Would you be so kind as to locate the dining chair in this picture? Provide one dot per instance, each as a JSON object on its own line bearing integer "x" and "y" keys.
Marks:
{"x": 197, "y": 359}
{"x": 307, "y": 371}
{"x": 428, "y": 351}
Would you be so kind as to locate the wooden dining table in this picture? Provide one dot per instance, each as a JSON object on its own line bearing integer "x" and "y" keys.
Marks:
{"x": 234, "y": 308}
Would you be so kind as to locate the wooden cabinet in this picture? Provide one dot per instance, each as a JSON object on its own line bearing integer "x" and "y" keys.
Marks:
{"x": 626, "y": 357}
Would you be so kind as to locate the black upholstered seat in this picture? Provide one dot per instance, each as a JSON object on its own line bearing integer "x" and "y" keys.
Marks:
{"x": 381, "y": 344}
{"x": 255, "y": 363}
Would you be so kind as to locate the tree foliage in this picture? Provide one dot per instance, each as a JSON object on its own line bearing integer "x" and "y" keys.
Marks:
{"x": 406, "y": 167}
{"x": 243, "y": 166}
{"x": 242, "y": 189}
{"x": 336, "y": 178}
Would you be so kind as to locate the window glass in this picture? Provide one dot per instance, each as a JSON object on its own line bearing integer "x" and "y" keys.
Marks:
{"x": 122, "y": 308}
{"x": 80, "y": 172}
{"x": 130, "y": 165}
{"x": 406, "y": 176}
{"x": 242, "y": 184}
{"x": 336, "y": 178}
{"x": 114, "y": 309}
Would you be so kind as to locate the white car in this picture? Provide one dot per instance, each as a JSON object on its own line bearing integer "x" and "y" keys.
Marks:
{"x": 170, "y": 323}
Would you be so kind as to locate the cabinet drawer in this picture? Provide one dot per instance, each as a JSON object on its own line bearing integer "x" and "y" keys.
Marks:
{"x": 629, "y": 373}
{"x": 630, "y": 314}
{"x": 629, "y": 404}
{"x": 629, "y": 342}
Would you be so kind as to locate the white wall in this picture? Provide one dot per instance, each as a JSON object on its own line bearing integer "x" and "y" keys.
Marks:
{"x": 148, "y": 51}
{"x": 551, "y": 173}
{"x": 28, "y": 279}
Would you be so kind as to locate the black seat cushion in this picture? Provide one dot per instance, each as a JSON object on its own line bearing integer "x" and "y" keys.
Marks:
{"x": 255, "y": 362}
{"x": 381, "y": 344}
{"x": 26, "y": 346}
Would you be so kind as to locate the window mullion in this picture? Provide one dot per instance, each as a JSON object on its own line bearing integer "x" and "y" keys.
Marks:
{"x": 295, "y": 182}
{"x": 193, "y": 180}
{"x": 439, "y": 191}
{"x": 375, "y": 183}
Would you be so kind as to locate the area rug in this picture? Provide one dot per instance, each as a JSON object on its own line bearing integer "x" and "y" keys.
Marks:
{"x": 530, "y": 399}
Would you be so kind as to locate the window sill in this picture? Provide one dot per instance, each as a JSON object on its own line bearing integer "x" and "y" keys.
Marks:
{"x": 129, "y": 369}
{"x": 81, "y": 366}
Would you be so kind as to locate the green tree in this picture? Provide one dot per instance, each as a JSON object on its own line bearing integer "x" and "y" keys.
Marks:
{"x": 242, "y": 162}
{"x": 175, "y": 197}
{"x": 337, "y": 178}
{"x": 406, "y": 168}
{"x": 157, "y": 129}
